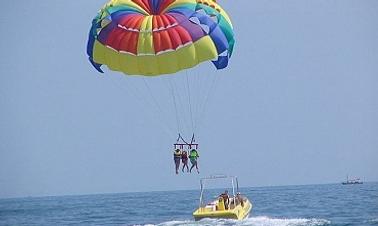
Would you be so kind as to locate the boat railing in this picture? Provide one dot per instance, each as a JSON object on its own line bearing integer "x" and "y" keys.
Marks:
{"x": 234, "y": 182}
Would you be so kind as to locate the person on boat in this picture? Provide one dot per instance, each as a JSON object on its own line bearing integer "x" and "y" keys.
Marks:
{"x": 184, "y": 159}
{"x": 193, "y": 159}
{"x": 177, "y": 158}
{"x": 239, "y": 199}
{"x": 226, "y": 199}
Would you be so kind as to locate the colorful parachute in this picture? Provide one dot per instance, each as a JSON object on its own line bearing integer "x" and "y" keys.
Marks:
{"x": 154, "y": 37}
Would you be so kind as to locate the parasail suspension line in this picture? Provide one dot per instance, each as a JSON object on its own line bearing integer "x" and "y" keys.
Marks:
{"x": 190, "y": 104}
{"x": 175, "y": 104}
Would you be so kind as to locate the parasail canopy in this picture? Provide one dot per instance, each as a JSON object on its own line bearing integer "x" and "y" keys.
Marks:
{"x": 155, "y": 37}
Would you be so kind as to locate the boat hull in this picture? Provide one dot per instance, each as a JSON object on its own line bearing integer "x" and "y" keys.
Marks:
{"x": 348, "y": 183}
{"x": 238, "y": 212}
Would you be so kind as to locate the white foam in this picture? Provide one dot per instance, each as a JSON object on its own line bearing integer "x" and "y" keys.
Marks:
{"x": 266, "y": 221}
{"x": 253, "y": 221}
{"x": 372, "y": 221}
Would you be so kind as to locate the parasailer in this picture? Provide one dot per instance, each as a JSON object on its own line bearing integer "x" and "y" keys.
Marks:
{"x": 193, "y": 156}
{"x": 177, "y": 158}
{"x": 158, "y": 37}
{"x": 180, "y": 147}
{"x": 184, "y": 159}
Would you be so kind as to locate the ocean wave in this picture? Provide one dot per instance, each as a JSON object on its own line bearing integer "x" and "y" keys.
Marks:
{"x": 266, "y": 221}
{"x": 253, "y": 221}
{"x": 372, "y": 221}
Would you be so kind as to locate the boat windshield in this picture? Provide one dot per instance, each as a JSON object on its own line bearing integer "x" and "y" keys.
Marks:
{"x": 213, "y": 187}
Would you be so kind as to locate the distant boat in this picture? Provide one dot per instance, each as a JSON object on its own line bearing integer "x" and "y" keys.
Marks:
{"x": 352, "y": 181}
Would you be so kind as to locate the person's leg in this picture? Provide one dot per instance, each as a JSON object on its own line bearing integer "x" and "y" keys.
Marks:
{"x": 193, "y": 164}
{"x": 196, "y": 164}
{"x": 184, "y": 163}
{"x": 177, "y": 162}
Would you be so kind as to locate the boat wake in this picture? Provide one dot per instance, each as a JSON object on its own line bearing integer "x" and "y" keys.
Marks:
{"x": 252, "y": 221}
{"x": 372, "y": 221}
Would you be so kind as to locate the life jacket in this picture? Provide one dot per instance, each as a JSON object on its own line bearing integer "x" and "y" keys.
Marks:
{"x": 193, "y": 154}
{"x": 220, "y": 204}
{"x": 184, "y": 155}
{"x": 177, "y": 154}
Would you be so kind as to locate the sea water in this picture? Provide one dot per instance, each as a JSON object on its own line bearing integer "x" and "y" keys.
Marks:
{"x": 310, "y": 205}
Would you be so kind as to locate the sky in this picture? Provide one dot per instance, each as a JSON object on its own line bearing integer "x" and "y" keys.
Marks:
{"x": 298, "y": 103}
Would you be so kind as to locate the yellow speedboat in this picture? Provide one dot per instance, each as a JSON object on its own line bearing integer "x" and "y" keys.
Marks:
{"x": 235, "y": 206}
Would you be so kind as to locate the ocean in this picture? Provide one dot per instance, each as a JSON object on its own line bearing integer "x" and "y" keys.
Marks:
{"x": 307, "y": 205}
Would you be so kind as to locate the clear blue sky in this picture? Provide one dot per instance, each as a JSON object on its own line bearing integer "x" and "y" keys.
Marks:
{"x": 297, "y": 105}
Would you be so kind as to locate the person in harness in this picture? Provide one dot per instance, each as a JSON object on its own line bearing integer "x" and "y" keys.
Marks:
{"x": 193, "y": 156}
{"x": 177, "y": 158}
{"x": 184, "y": 159}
